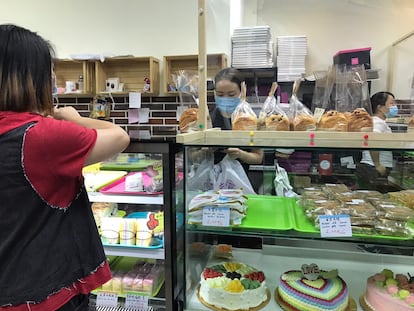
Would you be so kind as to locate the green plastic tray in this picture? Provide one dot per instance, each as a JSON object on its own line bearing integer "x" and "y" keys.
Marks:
{"x": 130, "y": 166}
{"x": 269, "y": 212}
{"x": 279, "y": 213}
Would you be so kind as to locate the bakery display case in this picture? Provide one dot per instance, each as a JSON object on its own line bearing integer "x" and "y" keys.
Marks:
{"x": 360, "y": 234}
{"x": 137, "y": 198}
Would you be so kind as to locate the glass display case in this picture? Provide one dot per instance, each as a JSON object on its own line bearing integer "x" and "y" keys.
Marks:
{"x": 278, "y": 233}
{"x": 137, "y": 198}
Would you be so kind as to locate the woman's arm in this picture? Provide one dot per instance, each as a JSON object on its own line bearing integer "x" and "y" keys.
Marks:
{"x": 111, "y": 139}
{"x": 254, "y": 156}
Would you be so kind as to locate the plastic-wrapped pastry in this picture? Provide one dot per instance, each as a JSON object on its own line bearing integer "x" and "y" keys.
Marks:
{"x": 392, "y": 228}
{"x": 188, "y": 119}
{"x": 304, "y": 122}
{"x": 244, "y": 122}
{"x": 243, "y": 117}
{"x": 368, "y": 194}
{"x": 411, "y": 122}
{"x": 360, "y": 208}
{"x": 396, "y": 212}
{"x": 277, "y": 122}
{"x": 406, "y": 197}
{"x": 360, "y": 120}
{"x": 333, "y": 120}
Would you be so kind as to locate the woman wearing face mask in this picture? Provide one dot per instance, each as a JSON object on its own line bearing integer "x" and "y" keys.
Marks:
{"x": 376, "y": 164}
{"x": 227, "y": 97}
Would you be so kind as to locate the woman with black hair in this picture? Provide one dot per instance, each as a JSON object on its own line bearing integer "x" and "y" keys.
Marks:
{"x": 51, "y": 254}
{"x": 374, "y": 167}
{"x": 227, "y": 90}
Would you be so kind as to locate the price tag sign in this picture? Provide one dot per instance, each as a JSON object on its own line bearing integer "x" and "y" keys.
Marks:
{"x": 136, "y": 302}
{"x": 107, "y": 299}
{"x": 335, "y": 226}
{"x": 216, "y": 216}
{"x": 317, "y": 114}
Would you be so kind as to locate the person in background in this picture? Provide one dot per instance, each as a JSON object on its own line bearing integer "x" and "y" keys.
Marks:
{"x": 50, "y": 251}
{"x": 375, "y": 166}
{"x": 227, "y": 91}
{"x": 227, "y": 97}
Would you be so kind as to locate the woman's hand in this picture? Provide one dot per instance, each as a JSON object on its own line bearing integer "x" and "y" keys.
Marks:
{"x": 253, "y": 157}
{"x": 381, "y": 169}
{"x": 234, "y": 153}
{"x": 67, "y": 113}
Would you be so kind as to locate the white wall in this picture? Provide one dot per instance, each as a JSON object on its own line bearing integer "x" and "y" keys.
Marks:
{"x": 169, "y": 27}
{"x": 333, "y": 25}
{"x": 141, "y": 28}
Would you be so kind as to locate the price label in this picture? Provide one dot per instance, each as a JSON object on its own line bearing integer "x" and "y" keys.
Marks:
{"x": 335, "y": 226}
{"x": 136, "y": 302}
{"x": 107, "y": 299}
{"x": 216, "y": 216}
{"x": 317, "y": 114}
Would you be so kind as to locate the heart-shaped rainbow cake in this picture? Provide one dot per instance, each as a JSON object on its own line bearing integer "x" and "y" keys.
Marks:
{"x": 312, "y": 290}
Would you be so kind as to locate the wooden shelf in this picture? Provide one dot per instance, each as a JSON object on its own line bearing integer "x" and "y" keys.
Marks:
{"x": 312, "y": 140}
{"x": 189, "y": 63}
{"x": 131, "y": 71}
{"x": 70, "y": 70}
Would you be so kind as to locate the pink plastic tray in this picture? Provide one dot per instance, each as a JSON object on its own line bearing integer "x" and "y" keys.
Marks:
{"x": 118, "y": 187}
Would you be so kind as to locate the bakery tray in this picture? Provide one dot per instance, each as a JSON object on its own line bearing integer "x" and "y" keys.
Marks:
{"x": 118, "y": 187}
{"x": 303, "y": 224}
{"x": 138, "y": 165}
{"x": 280, "y": 213}
{"x": 269, "y": 212}
{"x": 95, "y": 180}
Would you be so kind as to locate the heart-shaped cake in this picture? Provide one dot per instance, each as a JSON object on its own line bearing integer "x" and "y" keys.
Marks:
{"x": 310, "y": 289}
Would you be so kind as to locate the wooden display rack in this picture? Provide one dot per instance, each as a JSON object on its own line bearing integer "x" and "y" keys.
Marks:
{"x": 131, "y": 71}
{"x": 173, "y": 64}
{"x": 70, "y": 70}
{"x": 317, "y": 139}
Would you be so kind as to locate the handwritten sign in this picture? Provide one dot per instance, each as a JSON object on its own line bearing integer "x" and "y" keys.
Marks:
{"x": 136, "y": 302}
{"x": 335, "y": 225}
{"x": 107, "y": 299}
{"x": 216, "y": 216}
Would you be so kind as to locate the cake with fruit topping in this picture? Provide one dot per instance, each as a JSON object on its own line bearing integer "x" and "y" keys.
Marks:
{"x": 311, "y": 289}
{"x": 233, "y": 286}
{"x": 385, "y": 292}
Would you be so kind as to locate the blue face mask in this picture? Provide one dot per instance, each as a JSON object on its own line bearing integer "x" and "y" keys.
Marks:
{"x": 392, "y": 112}
{"x": 227, "y": 105}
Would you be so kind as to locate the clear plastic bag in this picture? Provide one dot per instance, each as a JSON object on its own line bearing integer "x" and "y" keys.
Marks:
{"x": 229, "y": 174}
{"x": 186, "y": 84}
{"x": 243, "y": 117}
{"x": 271, "y": 116}
{"x": 351, "y": 89}
{"x": 324, "y": 83}
{"x": 100, "y": 108}
{"x": 301, "y": 117}
{"x": 201, "y": 180}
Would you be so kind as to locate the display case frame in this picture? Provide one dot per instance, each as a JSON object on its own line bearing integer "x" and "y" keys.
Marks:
{"x": 356, "y": 256}
{"x": 170, "y": 202}
{"x": 278, "y": 251}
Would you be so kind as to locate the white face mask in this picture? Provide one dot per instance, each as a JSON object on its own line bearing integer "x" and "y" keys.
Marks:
{"x": 227, "y": 105}
{"x": 392, "y": 112}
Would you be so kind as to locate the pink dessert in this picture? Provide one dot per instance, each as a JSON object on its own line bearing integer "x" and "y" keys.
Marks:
{"x": 385, "y": 292}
